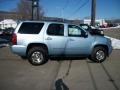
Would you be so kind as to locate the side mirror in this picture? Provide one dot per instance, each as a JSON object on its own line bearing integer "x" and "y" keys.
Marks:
{"x": 85, "y": 34}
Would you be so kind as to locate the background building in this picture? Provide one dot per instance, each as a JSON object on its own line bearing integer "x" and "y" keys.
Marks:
{"x": 98, "y": 22}
{"x": 7, "y": 23}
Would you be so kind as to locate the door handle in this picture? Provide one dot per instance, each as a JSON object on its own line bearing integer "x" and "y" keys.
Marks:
{"x": 48, "y": 38}
{"x": 71, "y": 39}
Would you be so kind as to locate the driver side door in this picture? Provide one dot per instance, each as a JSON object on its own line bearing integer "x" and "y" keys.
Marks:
{"x": 77, "y": 43}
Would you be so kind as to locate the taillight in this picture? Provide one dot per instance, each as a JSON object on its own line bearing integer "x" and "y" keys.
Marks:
{"x": 14, "y": 39}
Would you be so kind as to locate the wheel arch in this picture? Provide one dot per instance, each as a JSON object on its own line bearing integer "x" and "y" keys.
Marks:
{"x": 101, "y": 45}
{"x": 37, "y": 45}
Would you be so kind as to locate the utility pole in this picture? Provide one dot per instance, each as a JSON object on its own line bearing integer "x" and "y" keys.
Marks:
{"x": 93, "y": 12}
{"x": 35, "y": 10}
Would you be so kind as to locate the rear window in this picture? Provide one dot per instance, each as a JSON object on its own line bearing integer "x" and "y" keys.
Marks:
{"x": 30, "y": 28}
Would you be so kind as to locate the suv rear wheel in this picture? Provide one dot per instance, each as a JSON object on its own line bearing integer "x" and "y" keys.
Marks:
{"x": 99, "y": 54}
{"x": 37, "y": 55}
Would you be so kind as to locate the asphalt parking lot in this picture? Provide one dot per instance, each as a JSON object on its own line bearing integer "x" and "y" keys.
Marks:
{"x": 18, "y": 74}
{"x": 82, "y": 74}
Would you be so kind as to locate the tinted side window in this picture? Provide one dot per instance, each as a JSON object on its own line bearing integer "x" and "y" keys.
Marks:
{"x": 30, "y": 28}
{"x": 56, "y": 29}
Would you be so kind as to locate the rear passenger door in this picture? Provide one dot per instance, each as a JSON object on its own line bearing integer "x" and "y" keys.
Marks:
{"x": 55, "y": 39}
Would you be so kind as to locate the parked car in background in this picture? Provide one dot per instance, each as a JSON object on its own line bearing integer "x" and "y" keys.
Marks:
{"x": 92, "y": 30}
{"x": 113, "y": 25}
{"x": 103, "y": 26}
{"x": 8, "y": 31}
{"x": 40, "y": 40}
{"x": 1, "y": 31}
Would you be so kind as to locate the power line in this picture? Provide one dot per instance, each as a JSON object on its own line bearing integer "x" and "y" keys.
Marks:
{"x": 63, "y": 8}
{"x": 84, "y": 4}
{"x": 66, "y": 5}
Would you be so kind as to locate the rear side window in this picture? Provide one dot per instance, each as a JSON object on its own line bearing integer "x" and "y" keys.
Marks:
{"x": 56, "y": 30}
{"x": 30, "y": 28}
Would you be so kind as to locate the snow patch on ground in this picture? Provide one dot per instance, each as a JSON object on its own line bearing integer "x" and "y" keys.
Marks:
{"x": 115, "y": 42}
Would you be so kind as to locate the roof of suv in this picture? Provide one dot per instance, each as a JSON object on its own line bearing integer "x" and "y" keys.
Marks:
{"x": 45, "y": 22}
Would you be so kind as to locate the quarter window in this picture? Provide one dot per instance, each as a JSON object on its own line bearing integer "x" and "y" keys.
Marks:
{"x": 56, "y": 30}
{"x": 30, "y": 28}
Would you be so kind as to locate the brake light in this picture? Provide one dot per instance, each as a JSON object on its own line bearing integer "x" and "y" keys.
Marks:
{"x": 14, "y": 39}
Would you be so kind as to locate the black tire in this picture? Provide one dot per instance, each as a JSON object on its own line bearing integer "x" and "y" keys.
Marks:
{"x": 98, "y": 55}
{"x": 37, "y": 56}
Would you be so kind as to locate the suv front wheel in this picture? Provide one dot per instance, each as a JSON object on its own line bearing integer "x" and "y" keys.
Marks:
{"x": 37, "y": 55}
{"x": 99, "y": 54}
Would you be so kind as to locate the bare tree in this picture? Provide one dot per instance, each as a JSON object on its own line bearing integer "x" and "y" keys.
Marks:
{"x": 24, "y": 10}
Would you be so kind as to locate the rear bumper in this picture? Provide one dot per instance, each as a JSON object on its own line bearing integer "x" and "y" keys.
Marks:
{"x": 18, "y": 49}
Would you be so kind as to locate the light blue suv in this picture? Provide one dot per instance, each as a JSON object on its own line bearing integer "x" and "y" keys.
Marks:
{"x": 39, "y": 40}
